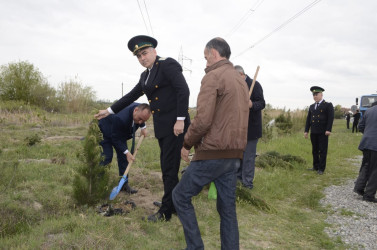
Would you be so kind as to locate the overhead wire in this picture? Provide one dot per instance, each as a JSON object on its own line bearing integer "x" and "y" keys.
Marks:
{"x": 142, "y": 15}
{"x": 280, "y": 26}
{"x": 150, "y": 25}
{"x": 245, "y": 17}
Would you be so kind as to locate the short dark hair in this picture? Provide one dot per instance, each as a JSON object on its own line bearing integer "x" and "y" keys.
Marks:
{"x": 220, "y": 45}
{"x": 143, "y": 106}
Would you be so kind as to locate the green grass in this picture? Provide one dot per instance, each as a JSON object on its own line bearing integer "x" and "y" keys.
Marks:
{"x": 38, "y": 211}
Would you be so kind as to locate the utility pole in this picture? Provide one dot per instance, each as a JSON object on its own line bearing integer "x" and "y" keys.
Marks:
{"x": 182, "y": 58}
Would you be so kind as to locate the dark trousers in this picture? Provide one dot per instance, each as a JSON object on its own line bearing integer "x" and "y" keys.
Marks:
{"x": 170, "y": 158}
{"x": 354, "y": 127}
{"x": 348, "y": 124}
{"x": 319, "y": 150}
{"x": 108, "y": 154}
{"x": 367, "y": 179}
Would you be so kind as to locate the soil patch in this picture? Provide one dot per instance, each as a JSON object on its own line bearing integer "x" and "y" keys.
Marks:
{"x": 144, "y": 198}
{"x": 150, "y": 188}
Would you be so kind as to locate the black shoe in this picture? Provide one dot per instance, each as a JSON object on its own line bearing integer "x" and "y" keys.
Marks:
{"x": 126, "y": 188}
{"x": 369, "y": 199}
{"x": 359, "y": 192}
{"x": 157, "y": 203}
{"x": 156, "y": 217}
{"x": 320, "y": 172}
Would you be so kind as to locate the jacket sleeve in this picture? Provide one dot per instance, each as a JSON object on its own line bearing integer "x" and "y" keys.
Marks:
{"x": 330, "y": 116}
{"x": 307, "y": 125}
{"x": 257, "y": 98}
{"x": 205, "y": 112}
{"x": 173, "y": 72}
{"x": 129, "y": 98}
{"x": 118, "y": 135}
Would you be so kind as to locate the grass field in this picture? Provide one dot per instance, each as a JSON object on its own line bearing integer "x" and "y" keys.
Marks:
{"x": 38, "y": 211}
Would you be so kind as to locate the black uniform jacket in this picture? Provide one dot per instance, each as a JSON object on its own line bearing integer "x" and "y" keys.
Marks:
{"x": 255, "y": 114}
{"x": 167, "y": 93}
{"x": 321, "y": 119}
{"x": 118, "y": 128}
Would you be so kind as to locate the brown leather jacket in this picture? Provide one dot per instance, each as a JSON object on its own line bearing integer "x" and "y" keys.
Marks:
{"x": 219, "y": 129}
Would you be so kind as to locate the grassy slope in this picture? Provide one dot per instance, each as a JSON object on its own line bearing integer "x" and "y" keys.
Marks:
{"x": 37, "y": 210}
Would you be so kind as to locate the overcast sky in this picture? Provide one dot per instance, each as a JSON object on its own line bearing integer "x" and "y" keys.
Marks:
{"x": 333, "y": 44}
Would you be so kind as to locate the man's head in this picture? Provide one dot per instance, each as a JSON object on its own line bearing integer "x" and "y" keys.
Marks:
{"x": 240, "y": 70}
{"x": 141, "y": 113}
{"x": 317, "y": 93}
{"x": 144, "y": 48}
{"x": 216, "y": 50}
{"x": 146, "y": 57}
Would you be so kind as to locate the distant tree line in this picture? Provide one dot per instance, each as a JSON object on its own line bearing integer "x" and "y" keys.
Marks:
{"x": 23, "y": 82}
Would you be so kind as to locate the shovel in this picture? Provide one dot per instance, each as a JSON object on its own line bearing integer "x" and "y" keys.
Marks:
{"x": 124, "y": 178}
{"x": 254, "y": 79}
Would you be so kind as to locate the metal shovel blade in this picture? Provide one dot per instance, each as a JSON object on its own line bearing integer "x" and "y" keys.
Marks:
{"x": 117, "y": 189}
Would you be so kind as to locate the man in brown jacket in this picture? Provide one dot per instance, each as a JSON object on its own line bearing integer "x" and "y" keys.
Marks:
{"x": 218, "y": 133}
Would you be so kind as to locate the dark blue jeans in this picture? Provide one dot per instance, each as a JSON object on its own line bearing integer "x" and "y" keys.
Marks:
{"x": 196, "y": 176}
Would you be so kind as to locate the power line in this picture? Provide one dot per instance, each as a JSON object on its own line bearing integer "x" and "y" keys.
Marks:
{"x": 281, "y": 26}
{"x": 245, "y": 17}
{"x": 145, "y": 24}
{"x": 150, "y": 25}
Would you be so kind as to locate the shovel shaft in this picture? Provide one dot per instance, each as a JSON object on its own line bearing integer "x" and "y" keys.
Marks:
{"x": 134, "y": 155}
{"x": 253, "y": 83}
{"x": 123, "y": 180}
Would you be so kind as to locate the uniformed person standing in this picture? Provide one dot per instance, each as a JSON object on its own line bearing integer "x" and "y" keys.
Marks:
{"x": 168, "y": 94}
{"x": 319, "y": 121}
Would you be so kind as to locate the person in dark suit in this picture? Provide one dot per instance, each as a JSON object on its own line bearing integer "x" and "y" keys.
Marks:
{"x": 319, "y": 120}
{"x": 167, "y": 91}
{"x": 366, "y": 183}
{"x": 247, "y": 168}
{"x": 356, "y": 119}
{"x": 348, "y": 118}
{"x": 117, "y": 129}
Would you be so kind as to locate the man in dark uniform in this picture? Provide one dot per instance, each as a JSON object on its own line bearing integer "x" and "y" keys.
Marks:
{"x": 256, "y": 104}
{"x": 319, "y": 120}
{"x": 117, "y": 129}
{"x": 166, "y": 89}
{"x": 348, "y": 118}
{"x": 356, "y": 119}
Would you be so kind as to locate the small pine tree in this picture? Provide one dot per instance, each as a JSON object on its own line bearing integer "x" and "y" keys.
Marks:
{"x": 284, "y": 123}
{"x": 91, "y": 183}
